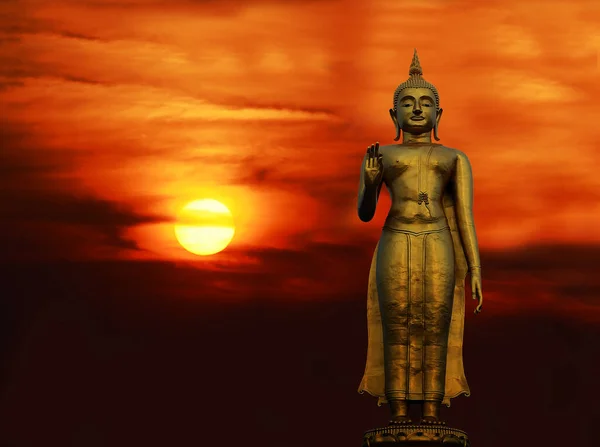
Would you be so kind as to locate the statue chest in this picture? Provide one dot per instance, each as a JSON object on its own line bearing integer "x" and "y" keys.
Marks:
{"x": 407, "y": 166}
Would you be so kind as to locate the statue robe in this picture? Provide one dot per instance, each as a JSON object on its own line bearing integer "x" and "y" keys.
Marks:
{"x": 373, "y": 381}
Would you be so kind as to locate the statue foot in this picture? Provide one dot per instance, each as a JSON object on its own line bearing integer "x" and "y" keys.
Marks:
{"x": 431, "y": 413}
{"x": 399, "y": 412}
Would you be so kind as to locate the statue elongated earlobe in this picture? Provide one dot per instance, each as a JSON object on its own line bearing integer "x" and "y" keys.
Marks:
{"x": 435, "y": 126}
{"x": 396, "y": 124}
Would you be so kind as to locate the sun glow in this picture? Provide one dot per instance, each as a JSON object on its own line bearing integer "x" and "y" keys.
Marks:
{"x": 204, "y": 227}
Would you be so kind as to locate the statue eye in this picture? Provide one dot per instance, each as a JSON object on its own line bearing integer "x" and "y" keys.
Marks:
{"x": 406, "y": 105}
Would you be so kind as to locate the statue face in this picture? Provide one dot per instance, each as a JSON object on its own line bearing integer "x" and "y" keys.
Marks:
{"x": 416, "y": 112}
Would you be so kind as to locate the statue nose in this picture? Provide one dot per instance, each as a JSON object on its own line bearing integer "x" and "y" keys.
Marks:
{"x": 417, "y": 110}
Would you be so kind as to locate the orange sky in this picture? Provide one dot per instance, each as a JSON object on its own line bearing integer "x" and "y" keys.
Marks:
{"x": 115, "y": 114}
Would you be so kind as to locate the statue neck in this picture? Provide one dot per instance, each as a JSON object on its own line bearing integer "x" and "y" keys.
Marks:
{"x": 409, "y": 138}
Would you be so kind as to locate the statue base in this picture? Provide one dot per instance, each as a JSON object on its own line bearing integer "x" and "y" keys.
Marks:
{"x": 415, "y": 435}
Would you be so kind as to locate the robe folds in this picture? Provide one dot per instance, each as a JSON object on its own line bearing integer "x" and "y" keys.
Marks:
{"x": 454, "y": 382}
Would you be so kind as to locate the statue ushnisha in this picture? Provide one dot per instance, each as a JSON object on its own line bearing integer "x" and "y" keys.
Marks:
{"x": 416, "y": 303}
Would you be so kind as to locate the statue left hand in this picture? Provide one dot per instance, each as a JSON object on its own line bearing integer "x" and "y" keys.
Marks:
{"x": 476, "y": 288}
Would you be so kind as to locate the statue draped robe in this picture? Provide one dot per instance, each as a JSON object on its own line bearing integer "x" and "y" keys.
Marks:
{"x": 373, "y": 381}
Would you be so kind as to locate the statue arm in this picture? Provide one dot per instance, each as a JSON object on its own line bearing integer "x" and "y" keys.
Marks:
{"x": 464, "y": 210}
{"x": 367, "y": 196}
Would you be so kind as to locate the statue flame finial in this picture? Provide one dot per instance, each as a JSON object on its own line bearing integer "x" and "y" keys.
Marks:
{"x": 415, "y": 67}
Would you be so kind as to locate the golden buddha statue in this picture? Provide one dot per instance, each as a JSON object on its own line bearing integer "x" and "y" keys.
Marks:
{"x": 416, "y": 300}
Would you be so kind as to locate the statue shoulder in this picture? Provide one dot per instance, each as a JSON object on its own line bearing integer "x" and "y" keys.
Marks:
{"x": 455, "y": 153}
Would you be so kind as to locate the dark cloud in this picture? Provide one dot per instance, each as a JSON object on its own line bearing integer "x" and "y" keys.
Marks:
{"x": 16, "y": 18}
{"x": 40, "y": 204}
{"x": 544, "y": 257}
{"x": 8, "y": 84}
{"x": 81, "y": 80}
{"x": 79, "y": 36}
{"x": 14, "y": 70}
{"x": 336, "y": 191}
{"x": 298, "y": 274}
{"x": 560, "y": 278}
{"x": 582, "y": 290}
{"x": 71, "y": 210}
{"x": 42, "y": 218}
{"x": 554, "y": 282}
{"x": 25, "y": 163}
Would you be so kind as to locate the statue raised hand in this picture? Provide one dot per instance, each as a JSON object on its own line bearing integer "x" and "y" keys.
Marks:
{"x": 373, "y": 166}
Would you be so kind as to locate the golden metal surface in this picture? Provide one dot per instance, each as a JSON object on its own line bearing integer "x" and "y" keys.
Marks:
{"x": 415, "y": 306}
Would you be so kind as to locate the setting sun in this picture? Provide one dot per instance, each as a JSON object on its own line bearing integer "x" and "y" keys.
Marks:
{"x": 204, "y": 227}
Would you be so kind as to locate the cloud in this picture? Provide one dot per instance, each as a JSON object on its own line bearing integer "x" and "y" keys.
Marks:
{"x": 132, "y": 102}
{"x": 80, "y": 36}
{"x": 557, "y": 277}
{"x": 556, "y": 280}
{"x": 525, "y": 87}
{"x": 70, "y": 210}
{"x": 549, "y": 280}
{"x": 26, "y": 163}
{"x": 158, "y": 60}
{"x": 40, "y": 205}
{"x": 40, "y": 219}
{"x": 333, "y": 193}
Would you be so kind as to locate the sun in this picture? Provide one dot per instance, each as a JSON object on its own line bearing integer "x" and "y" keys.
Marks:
{"x": 204, "y": 227}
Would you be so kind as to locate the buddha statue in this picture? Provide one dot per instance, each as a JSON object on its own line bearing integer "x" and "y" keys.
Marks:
{"x": 416, "y": 302}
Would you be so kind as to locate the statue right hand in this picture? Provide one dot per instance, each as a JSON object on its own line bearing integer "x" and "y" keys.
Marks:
{"x": 373, "y": 166}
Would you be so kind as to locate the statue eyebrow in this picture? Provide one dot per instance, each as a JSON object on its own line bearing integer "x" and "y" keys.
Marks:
{"x": 422, "y": 97}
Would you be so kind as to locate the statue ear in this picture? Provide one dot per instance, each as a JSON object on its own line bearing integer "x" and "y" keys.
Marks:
{"x": 397, "y": 125}
{"x": 437, "y": 123}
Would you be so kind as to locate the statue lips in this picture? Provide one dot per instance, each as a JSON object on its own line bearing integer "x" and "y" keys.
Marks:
{"x": 417, "y": 118}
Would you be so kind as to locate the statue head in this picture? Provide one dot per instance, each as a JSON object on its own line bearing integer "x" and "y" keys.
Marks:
{"x": 416, "y": 104}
